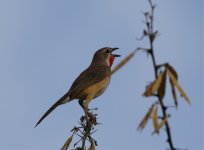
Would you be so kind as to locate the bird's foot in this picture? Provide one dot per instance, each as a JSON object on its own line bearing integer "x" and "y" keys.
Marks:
{"x": 92, "y": 118}
{"x": 89, "y": 117}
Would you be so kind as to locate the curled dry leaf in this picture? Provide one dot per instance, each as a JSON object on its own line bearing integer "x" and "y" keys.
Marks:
{"x": 153, "y": 87}
{"x": 175, "y": 83}
{"x": 92, "y": 146}
{"x": 145, "y": 119}
{"x": 123, "y": 62}
{"x": 173, "y": 71}
{"x": 155, "y": 119}
{"x": 162, "y": 87}
{"x": 162, "y": 123}
{"x": 173, "y": 92}
{"x": 157, "y": 126}
{"x": 67, "y": 143}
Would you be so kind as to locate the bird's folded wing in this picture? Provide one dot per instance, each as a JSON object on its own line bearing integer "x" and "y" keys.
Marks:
{"x": 87, "y": 78}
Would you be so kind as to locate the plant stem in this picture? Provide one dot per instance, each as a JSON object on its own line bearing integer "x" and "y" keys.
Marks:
{"x": 151, "y": 37}
{"x": 163, "y": 107}
{"x": 86, "y": 129}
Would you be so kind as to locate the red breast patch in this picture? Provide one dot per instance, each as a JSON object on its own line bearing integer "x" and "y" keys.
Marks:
{"x": 111, "y": 59}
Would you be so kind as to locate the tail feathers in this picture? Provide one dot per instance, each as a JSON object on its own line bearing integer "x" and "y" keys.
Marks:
{"x": 66, "y": 100}
{"x": 62, "y": 100}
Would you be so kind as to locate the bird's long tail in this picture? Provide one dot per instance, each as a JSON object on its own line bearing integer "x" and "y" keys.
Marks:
{"x": 64, "y": 99}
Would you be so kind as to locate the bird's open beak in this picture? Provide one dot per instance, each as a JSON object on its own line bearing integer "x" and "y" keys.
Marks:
{"x": 115, "y": 55}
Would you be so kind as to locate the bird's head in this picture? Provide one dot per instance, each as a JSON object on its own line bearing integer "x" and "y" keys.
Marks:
{"x": 104, "y": 56}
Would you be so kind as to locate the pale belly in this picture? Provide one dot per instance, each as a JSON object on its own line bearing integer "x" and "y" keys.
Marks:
{"x": 101, "y": 91}
{"x": 98, "y": 88}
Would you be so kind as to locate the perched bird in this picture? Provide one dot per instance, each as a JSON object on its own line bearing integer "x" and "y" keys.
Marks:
{"x": 91, "y": 83}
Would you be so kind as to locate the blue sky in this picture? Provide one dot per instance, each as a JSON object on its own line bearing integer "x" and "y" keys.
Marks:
{"x": 45, "y": 44}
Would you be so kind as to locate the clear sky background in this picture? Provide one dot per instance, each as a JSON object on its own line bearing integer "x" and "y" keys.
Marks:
{"x": 45, "y": 44}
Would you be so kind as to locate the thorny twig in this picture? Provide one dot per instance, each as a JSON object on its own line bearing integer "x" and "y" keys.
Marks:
{"x": 87, "y": 127}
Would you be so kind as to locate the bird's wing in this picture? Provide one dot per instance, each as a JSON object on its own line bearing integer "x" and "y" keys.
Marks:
{"x": 87, "y": 78}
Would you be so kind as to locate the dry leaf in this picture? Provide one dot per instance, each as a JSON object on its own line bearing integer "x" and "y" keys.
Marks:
{"x": 153, "y": 87}
{"x": 155, "y": 119}
{"x": 162, "y": 123}
{"x": 123, "y": 62}
{"x": 145, "y": 119}
{"x": 92, "y": 146}
{"x": 67, "y": 143}
{"x": 175, "y": 83}
{"x": 173, "y": 92}
{"x": 172, "y": 70}
{"x": 162, "y": 88}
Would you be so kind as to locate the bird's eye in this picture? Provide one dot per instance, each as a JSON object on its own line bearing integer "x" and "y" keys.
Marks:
{"x": 107, "y": 51}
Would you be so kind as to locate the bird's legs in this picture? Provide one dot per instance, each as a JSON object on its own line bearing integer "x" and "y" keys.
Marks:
{"x": 88, "y": 115}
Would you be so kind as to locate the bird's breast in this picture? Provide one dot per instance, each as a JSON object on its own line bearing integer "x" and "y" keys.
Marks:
{"x": 98, "y": 88}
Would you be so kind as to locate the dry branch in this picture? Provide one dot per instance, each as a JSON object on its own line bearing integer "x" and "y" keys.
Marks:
{"x": 158, "y": 86}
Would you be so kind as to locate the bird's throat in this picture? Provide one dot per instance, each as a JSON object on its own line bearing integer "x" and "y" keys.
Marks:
{"x": 111, "y": 59}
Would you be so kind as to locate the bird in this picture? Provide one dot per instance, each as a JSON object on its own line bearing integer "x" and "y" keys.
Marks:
{"x": 91, "y": 83}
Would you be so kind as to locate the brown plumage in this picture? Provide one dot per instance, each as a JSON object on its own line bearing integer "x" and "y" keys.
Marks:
{"x": 91, "y": 83}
